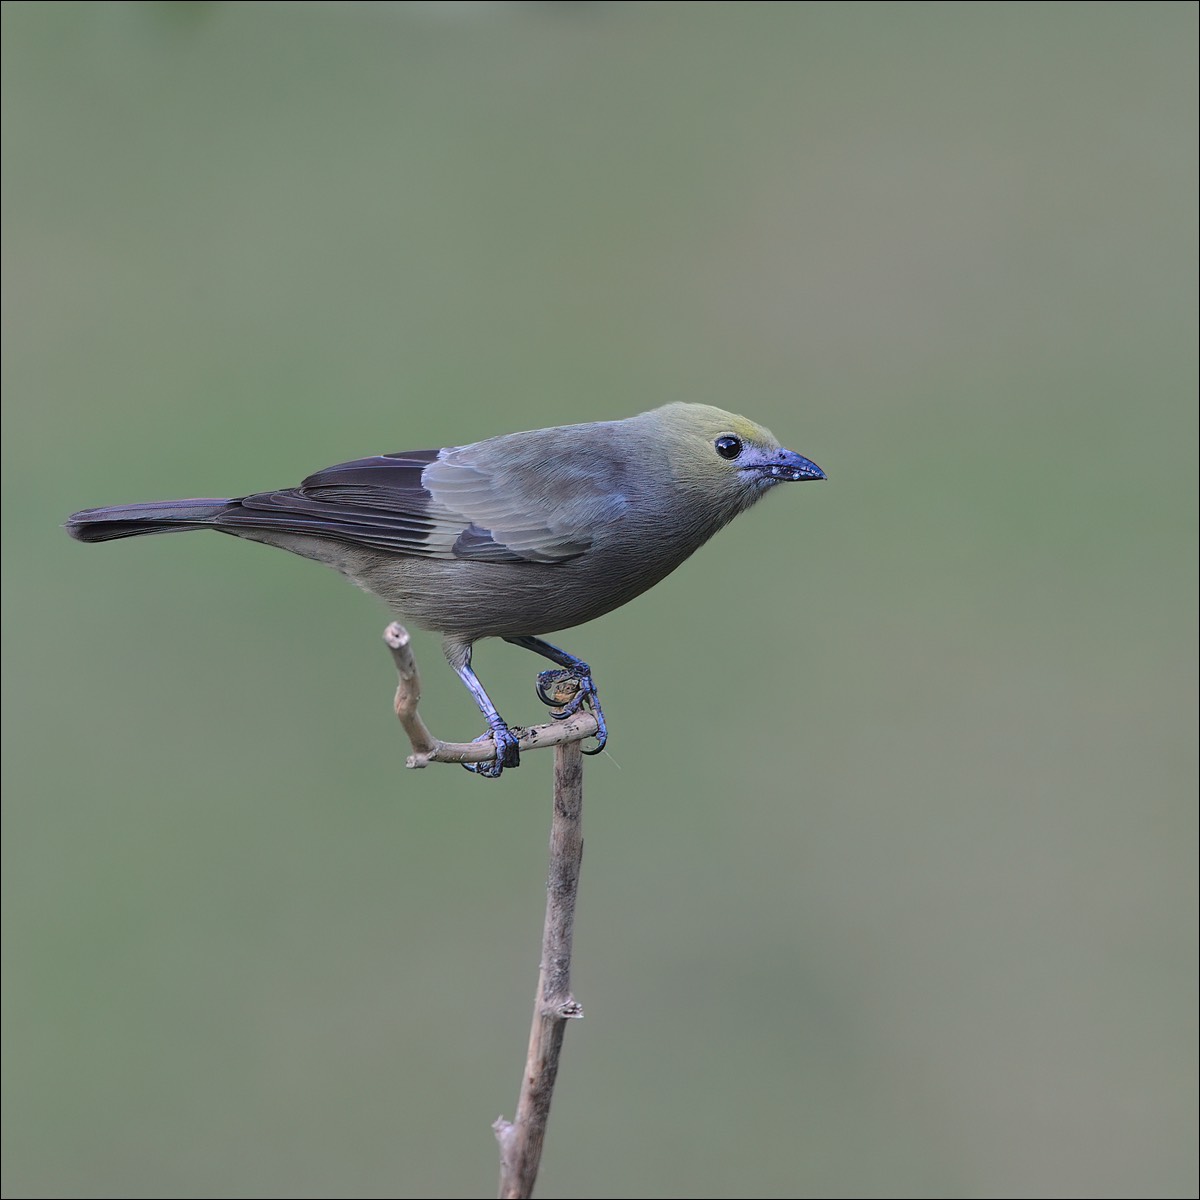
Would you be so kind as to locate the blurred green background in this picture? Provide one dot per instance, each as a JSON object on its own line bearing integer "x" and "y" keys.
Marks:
{"x": 890, "y": 883}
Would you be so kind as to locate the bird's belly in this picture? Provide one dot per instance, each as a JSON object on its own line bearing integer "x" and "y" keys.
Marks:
{"x": 470, "y": 600}
{"x": 474, "y": 600}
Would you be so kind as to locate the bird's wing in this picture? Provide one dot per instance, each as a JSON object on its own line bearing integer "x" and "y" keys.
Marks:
{"x": 471, "y": 502}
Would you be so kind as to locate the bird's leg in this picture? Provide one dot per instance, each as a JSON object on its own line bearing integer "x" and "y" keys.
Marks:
{"x": 507, "y": 745}
{"x": 578, "y": 670}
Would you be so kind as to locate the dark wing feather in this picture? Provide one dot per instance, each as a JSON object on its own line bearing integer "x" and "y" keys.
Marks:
{"x": 399, "y": 472}
{"x": 377, "y": 502}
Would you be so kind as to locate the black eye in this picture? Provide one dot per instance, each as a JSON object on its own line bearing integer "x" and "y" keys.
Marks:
{"x": 728, "y": 446}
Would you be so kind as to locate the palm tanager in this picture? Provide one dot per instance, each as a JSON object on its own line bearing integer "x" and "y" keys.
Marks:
{"x": 512, "y": 537}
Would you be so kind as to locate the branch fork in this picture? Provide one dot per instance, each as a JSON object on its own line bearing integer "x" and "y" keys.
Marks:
{"x": 428, "y": 749}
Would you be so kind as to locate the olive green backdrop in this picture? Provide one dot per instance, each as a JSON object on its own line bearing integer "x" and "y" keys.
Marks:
{"x": 890, "y": 872}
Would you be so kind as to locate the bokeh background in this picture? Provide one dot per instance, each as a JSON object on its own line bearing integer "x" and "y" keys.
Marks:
{"x": 890, "y": 883}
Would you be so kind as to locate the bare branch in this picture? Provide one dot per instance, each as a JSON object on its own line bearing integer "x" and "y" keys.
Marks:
{"x": 521, "y": 1139}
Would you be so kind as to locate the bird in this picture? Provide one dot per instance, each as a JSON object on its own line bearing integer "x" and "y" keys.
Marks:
{"x": 512, "y": 537}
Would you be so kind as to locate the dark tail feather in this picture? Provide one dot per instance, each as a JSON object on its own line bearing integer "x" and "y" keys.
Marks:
{"x": 130, "y": 520}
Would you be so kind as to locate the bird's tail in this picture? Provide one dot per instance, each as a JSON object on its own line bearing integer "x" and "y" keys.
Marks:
{"x": 131, "y": 520}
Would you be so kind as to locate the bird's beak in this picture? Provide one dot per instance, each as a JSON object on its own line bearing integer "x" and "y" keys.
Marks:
{"x": 787, "y": 465}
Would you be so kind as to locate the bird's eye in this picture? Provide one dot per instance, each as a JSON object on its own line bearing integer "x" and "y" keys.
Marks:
{"x": 728, "y": 446}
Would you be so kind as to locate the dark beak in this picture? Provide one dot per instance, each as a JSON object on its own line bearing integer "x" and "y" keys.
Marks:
{"x": 792, "y": 467}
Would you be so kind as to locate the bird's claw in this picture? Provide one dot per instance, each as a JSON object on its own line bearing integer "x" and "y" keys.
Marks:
{"x": 508, "y": 753}
{"x": 547, "y": 688}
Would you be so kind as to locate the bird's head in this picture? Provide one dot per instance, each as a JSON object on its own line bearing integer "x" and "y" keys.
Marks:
{"x": 723, "y": 456}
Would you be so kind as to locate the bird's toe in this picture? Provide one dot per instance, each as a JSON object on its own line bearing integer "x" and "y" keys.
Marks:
{"x": 565, "y": 701}
{"x": 508, "y": 747}
{"x": 508, "y": 753}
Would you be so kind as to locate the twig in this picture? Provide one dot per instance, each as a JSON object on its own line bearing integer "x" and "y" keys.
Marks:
{"x": 521, "y": 1139}
{"x": 428, "y": 749}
